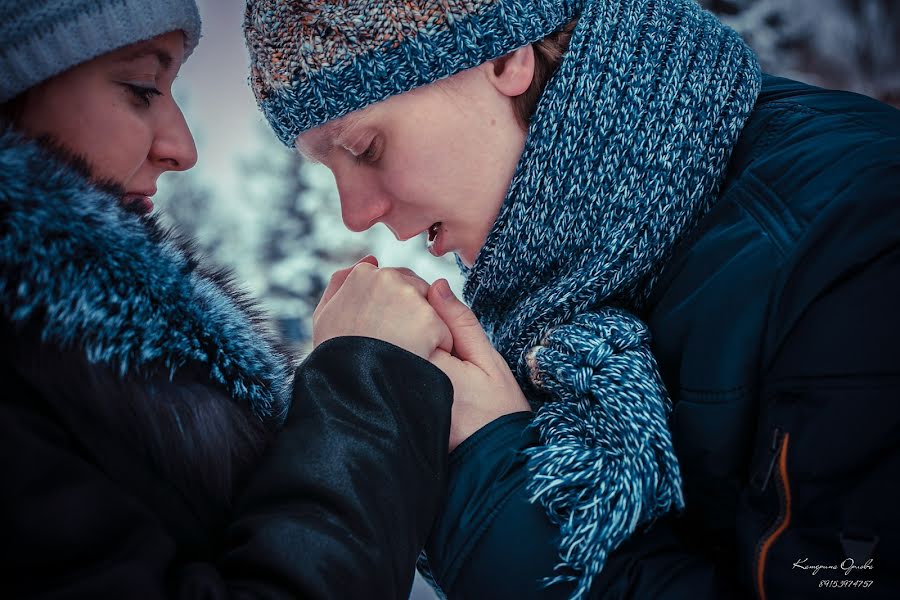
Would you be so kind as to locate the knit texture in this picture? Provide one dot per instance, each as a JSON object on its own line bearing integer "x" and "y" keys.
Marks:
{"x": 40, "y": 39}
{"x": 624, "y": 156}
{"x": 312, "y": 62}
{"x": 123, "y": 290}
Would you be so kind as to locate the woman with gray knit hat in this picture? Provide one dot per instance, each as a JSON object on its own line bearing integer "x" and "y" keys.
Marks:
{"x": 691, "y": 268}
{"x": 156, "y": 440}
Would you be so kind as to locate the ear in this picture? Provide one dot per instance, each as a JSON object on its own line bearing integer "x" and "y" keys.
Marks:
{"x": 512, "y": 73}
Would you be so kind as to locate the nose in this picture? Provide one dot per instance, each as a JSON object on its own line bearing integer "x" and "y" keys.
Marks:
{"x": 173, "y": 146}
{"x": 362, "y": 203}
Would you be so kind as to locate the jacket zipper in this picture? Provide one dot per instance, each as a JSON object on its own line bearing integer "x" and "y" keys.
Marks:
{"x": 784, "y": 513}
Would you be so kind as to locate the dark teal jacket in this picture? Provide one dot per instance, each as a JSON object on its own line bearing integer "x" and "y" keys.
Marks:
{"x": 777, "y": 331}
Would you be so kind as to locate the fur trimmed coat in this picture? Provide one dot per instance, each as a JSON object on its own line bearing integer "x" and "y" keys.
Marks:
{"x": 156, "y": 441}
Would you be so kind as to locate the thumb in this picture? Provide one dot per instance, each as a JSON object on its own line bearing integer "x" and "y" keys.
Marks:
{"x": 469, "y": 340}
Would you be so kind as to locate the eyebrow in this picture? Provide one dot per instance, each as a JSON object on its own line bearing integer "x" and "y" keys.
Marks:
{"x": 325, "y": 145}
{"x": 165, "y": 59}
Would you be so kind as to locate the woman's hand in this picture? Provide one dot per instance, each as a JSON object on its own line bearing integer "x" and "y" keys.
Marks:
{"x": 484, "y": 388}
{"x": 387, "y": 304}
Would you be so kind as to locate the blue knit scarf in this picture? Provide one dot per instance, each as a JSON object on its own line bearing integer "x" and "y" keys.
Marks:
{"x": 624, "y": 156}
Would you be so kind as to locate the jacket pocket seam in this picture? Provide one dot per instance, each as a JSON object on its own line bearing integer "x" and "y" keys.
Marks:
{"x": 771, "y": 215}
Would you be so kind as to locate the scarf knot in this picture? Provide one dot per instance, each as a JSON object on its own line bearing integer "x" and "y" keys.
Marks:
{"x": 583, "y": 346}
{"x": 607, "y": 464}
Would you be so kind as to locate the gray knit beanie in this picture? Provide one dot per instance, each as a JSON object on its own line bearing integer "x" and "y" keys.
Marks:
{"x": 42, "y": 38}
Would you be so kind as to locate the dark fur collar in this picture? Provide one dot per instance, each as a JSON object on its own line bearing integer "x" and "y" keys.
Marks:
{"x": 90, "y": 279}
{"x": 121, "y": 288}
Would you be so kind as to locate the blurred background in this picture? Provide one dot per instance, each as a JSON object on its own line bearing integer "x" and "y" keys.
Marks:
{"x": 256, "y": 208}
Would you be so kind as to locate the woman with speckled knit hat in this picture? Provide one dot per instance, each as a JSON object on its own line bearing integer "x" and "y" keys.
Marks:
{"x": 157, "y": 441}
{"x": 669, "y": 249}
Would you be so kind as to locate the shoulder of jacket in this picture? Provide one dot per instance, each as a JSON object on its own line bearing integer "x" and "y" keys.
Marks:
{"x": 808, "y": 154}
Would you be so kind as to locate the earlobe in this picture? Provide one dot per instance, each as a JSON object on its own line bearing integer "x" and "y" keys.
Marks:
{"x": 512, "y": 73}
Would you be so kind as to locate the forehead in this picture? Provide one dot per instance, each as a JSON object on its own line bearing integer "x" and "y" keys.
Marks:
{"x": 166, "y": 49}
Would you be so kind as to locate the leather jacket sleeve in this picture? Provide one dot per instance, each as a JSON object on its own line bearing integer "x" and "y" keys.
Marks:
{"x": 344, "y": 500}
{"x": 339, "y": 506}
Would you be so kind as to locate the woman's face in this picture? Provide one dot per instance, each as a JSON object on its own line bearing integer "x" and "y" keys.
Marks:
{"x": 117, "y": 112}
{"x": 437, "y": 159}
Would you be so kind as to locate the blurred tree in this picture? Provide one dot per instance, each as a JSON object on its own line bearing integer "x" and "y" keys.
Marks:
{"x": 843, "y": 44}
{"x": 301, "y": 238}
{"x": 185, "y": 206}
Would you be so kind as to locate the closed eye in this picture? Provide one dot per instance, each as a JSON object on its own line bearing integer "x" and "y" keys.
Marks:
{"x": 143, "y": 94}
{"x": 370, "y": 154}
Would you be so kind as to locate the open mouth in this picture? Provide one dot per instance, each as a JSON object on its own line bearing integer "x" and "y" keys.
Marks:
{"x": 436, "y": 242}
{"x": 433, "y": 231}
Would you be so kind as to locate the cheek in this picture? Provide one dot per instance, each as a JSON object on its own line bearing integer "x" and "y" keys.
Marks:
{"x": 123, "y": 152}
{"x": 104, "y": 131}
{"x": 455, "y": 178}
{"x": 427, "y": 171}
{"x": 119, "y": 143}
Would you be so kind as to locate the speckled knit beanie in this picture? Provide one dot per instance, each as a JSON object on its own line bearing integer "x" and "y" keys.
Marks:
{"x": 41, "y": 39}
{"x": 312, "y": 62}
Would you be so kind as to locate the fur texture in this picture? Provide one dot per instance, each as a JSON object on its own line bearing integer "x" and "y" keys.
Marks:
{"x": 85, "y": 281}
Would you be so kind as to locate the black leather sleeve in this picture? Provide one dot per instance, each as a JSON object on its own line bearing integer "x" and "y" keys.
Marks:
{"x": 338, "y": 507}
{"x": 344, "y": 499}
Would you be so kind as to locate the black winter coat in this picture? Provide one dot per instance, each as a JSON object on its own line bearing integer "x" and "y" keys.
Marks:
{"x": 776, "y": 328}
{"x": 153, "y": 445}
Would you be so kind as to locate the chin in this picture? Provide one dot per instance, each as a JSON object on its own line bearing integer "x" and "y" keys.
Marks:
{"x": 467, "y": 259}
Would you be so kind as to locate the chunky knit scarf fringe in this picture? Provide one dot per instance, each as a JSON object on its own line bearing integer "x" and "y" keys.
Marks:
{"x": 625, "y": 154}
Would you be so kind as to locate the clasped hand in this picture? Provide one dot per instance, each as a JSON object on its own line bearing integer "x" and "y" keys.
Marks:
{"x": 397, "y": 306}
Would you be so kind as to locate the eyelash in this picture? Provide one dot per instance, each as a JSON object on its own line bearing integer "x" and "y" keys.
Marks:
{"x": 143, "y": 94}
{"x": 368, "y": 156}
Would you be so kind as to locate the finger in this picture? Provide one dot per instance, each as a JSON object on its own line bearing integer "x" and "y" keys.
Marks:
{"x": 411, "y": 277}
{"x": 367, "y": 259}
{"x": 334, "y": 284}
{"x": 339, "y": 277}
{"x": 445, "y": 342}
{"x": 420, "y": 285}
{"x": 408, "y": 273}
{"x": 446, "y": 362}
{"x": 469, "y": 340}
{"x": 398, "y": 277}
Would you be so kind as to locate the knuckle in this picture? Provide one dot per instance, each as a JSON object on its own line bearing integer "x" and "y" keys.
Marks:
{"x": 410, "y": 294}
{"x": 390, "y": 274}
{"x": 359, "y": 270}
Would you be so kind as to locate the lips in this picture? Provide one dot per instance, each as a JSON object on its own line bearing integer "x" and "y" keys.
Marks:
{"x": 137, "y": 202}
